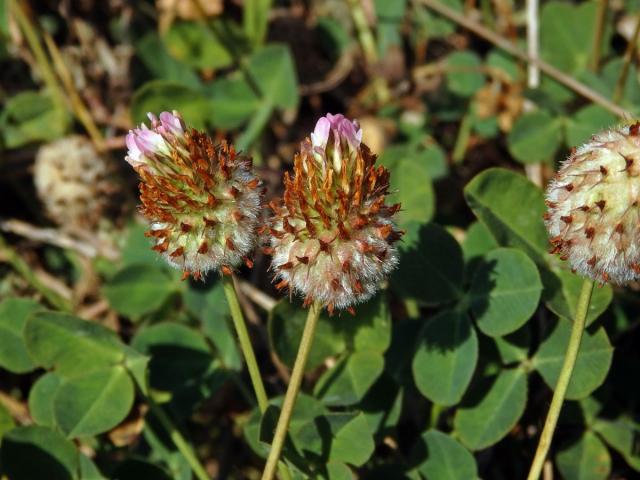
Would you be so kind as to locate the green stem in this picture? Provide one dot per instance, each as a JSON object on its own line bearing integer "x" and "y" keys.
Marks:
{"x": 10, "y": 256}
{"x": 249, "y": 355}
{"x": 368, "y": 44}
{"x": 601, "y": 16}
{"x": 245, "y": 342}
{"x": 178, "y": 440}
{"x": 563, "y": 380}
{"x": 628, "y": 57}
{"x": 48, "y": 75}
{"x": 464, "y": 133}
{"x": 436, "y": 411}
{"x": 292, "y": 391}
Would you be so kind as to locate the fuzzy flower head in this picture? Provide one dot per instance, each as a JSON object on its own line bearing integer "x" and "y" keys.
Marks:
{"x": 203, "y": 200}
{"x": 332, "y": 235}
{"x": 593, "y": 205}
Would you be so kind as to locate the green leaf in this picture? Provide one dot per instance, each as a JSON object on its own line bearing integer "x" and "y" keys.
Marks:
{"x": 348, "y": 381}
{"x": 512, "y": 208}
{"x": 30, "y": 117}
{"x": 621, "y": 435}
{"x": 442, "y": 458}
{"x": 208, "y": 303}
{"x": 431, "y": 155}
{"x": 195, "y": 45}
{"x": 505, "y": 291}
{"x": 571, "y": 26}
{"x": 163, "y": 66}
{"x": 181, "y": 364}
{"x": 477, "y": 242}
{"x": 382, "y": 405}
{"x": 137, "y": 365}
{"x": 370, "y": 328}
{"x": 41, "y": 398}
{"x": 514, "y": 347}
{"x": 410, "y": 178}
{"x": 389, "y": 21}
{"x": 233, "y": 101}
{"x": 137, "y": 248}
{"x": 585, "y": 459}
{"x": 255, "y": 20}
{"x": 307, "y": 410}
{"x": 592, "y": 364}
{"x": 562, "y": 290}
{"x": 161, "y": 95}
{"x": 93, "y": 403}
{"x": 6, "y": 422}
{"x": 585, "y": 122}
{"x": 465, "y": 77}
{"x": 491, "y": 409}
{"x": 535, "y": 137}
{"x": 446, "y": 358}
{"x": 286, "y": 322}
{"x": 13, "y": 352}
{"x": 272, "y": 68}
{"x": 89, "y": 470}
{"x": 34, "y": 452}
{"x": 69, "y": 344}
{"x": 431, "y": 265}
{"x": 339, "y": 471}
{"x": 352, "y": 442}
{"x": 138, "y": 289}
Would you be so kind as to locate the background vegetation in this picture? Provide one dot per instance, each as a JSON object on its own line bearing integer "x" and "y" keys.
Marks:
{"x": 445, "y": 375}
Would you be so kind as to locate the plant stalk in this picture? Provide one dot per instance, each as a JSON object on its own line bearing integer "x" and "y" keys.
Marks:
{"x": 177, "y": 439}
{"x": 245, "y": 342}
{"x": 563, "y": 380}
{"x": 626, "y": 63}
{"x": 370, "y": 50}
{"x": 292, "y": 391}
{"x": 46, "y": 71}
{"x": 601, "y": 16}
{"x": 228, "y": 283}
{"x": 10, "y": 256}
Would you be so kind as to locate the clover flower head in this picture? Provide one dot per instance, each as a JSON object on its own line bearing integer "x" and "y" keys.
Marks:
{"x": 202, "y": 199}
{"x": 593, "y": 202}
{"x": 332, "y": 235}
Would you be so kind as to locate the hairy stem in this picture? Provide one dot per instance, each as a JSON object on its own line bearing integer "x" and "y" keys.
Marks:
{"x": 292, "y": 391}
{"x": 228, "y": 283}
{"x": 563, "y": 380}
{"x": 245, "y": 342}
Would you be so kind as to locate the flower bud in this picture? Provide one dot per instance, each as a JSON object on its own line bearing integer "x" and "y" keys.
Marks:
{"x": 203, "y": 200}
{"x": 332, "y": 235}
{"x": 594, "y": 207}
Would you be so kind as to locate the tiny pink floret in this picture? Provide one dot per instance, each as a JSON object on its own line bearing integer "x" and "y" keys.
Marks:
{"x": 146, "y": 142}
{"x": 345, "y": 132}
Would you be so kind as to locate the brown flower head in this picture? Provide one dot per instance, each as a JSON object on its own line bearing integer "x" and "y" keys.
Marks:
{"x": 203, "y": 200}
{"x": 332, "y": 235}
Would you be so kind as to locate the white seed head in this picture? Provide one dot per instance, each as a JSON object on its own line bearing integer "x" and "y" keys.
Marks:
{"x": 593, "y": 204}
{"x": 73, "y": 182}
